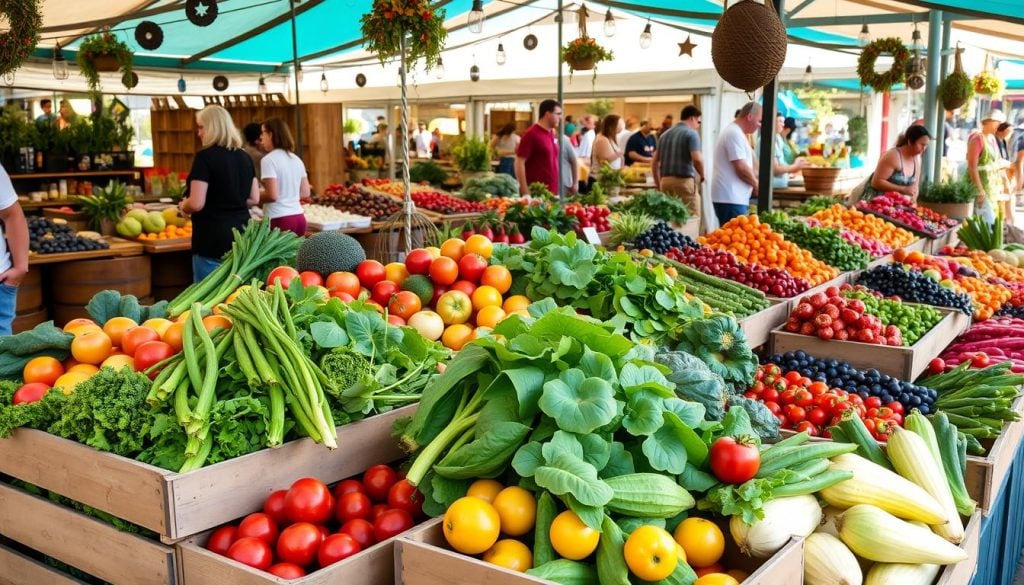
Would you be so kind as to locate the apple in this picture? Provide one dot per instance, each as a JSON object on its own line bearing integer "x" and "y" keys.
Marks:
{"x": 946, "y": 283}
{"x": 428, "y": 323}
{"x": 933, "y": 274}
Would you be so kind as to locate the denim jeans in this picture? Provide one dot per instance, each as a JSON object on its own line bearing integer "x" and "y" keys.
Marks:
{"x": 202, "y": 267}
{"x": 8, "y": 302}
{"x": 726, "y": 211}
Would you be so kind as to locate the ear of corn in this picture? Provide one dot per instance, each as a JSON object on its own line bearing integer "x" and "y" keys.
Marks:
{"x": 877, "y": 535}
{"x": 901, "y": 574}
{"x": 913, "y": 460}
{"x": 873, "y": 484}
{"x": 827, "y": 561}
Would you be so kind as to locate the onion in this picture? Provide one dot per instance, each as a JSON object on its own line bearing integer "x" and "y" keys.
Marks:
{"x": 783, "y": 519}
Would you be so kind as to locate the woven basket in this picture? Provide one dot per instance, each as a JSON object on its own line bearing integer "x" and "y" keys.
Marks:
{"x": 106, "y": 63}
{"x": 820, "y": 180}
{"x": 581, "y": 64}
{"x": 749, "y": 44}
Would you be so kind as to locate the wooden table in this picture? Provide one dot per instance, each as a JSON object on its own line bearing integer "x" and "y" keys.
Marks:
{"x": 118, "y": 248}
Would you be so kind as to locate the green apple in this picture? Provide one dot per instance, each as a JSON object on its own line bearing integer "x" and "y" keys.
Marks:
{"x": 946, "y": 283}
{"x": 933, "y": 274}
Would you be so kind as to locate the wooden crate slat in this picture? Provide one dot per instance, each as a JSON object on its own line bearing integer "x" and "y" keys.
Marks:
{"x": 17, "y": 569}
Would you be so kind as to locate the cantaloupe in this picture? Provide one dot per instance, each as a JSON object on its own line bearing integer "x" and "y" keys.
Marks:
{"x": 328, "y": 252}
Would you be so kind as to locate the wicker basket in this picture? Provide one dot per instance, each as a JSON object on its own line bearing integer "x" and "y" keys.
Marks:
{"x": 585, "y": 64}
{"x": 106, "y": 63}
{"x": 820, "y": 179}
{"x": 748, "y": 47}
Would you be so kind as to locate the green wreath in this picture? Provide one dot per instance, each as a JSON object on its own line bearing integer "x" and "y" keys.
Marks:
{"x": 882, "y": 82}
{"x": 18, "y": 43}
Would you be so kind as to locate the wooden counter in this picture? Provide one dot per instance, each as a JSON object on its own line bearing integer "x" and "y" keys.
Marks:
{"x": 118, "y": 248}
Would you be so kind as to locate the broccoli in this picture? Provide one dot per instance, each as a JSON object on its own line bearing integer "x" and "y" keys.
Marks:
{"x": 345, "y": 368}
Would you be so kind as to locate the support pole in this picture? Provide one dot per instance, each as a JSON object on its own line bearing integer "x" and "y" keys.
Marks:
{"x": 940, "y": 115}
{"x": 931, "y": 92}
{"x": 768, "y": 109}
{"x": 561, "y": 94}
{"x": 408, "y": 206}
{"x": 298, "y": 101}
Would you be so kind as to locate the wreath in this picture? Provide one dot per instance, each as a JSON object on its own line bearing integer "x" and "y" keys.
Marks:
{"x": 421, "y": 23}
{"x": 882, "y": 82}
{"x": 18, "y": 43}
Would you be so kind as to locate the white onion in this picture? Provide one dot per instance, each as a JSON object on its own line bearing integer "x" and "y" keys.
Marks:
{"x": 783, "y": 519}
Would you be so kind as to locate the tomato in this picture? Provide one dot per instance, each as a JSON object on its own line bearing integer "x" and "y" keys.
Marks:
{"x": 571, "y": 538}
{"x": 345, "y": 282}
{"x": 795, "y": 413}
{"x": 896, "y": 407}
{"x": 471, "y": 525}
{"x": 377, "y": 510}
{"x": 118, "y": 361}
{"x": 788, "y": 396}
{"x": 346, "y": 486}
{"x": 370, "y": 272}
{"x": 68, "y": 381}
{"x": 515, "y": 303}
{"x": 299, "y": 543}
{"x": 650, "y": 553}
{"x": 808, "y": 427}
{"x": 378, "y": 481}
{"x": 404, "y": 496}
{"x": 485, "y": 489}
{"x": 817, "y": 389}
{"x": 444, "y": 271}
{"x": 479, "y": 244}
{"x": 872, "y": 402}
{"x": 273, "y": 506}
{"x": 439, "y": 290}
{"x": 352, "y": 505}
{"x": 173, "y": 336}
{"x": 253, "y": 552}
{"x": 817, "y": 416}
{"x": 222, "y": 539}
{"x": 76, "y": 323}
{"x": 283, "y": 274}
{"x": 342, "y": 296}
{"x": 428, "y": 323}
{"x": 733, "y": 461}
{"x": 32, "y": 392}
{"x": 803, "y": 398}
{"x": 464, "y": 286}
{"x": 94, "y": 346}
{"x": 310, "y": 278}
{"x": 702, "y": 540}
{"x": 497, "y": 276}
{"x": 979, "y": 360}
{"x": 383, "y": 291}
{"x": 716, "y": 579}
{"x": 151, "y": 353}
{"x": 396, "y": 272}
{"x": 391, "y": 523}
{"x": 287, "y": 571}
{"x": 361, "y": 530}
{"x": 259, "y": 525}
{"x": 456, "y": 336}
{"x": 715, "y": 568}
{"x": 486, "y": 296}
{"x": 490, "y": 316}
{"x": 454, "y": 307}
{"x": 418, "y": 261}
{"x": 337, "y": 547}
{"x": 471, "y": 267}
{"x": 510, "y": 554}
{"x": 936, "y": 366}
{"x": 773, "y": 407}
{"x": 517, "y": 509}
{"x": 136, "y": 336}
{"x": 309, "y": 500}
{"x": 43, "y": 369}
{"x": 404, "y": 304}
{"x": 792, "y": 376}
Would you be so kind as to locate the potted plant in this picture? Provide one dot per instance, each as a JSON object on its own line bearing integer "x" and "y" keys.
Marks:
{"x": 415, "y": 26}
{"x": 352, "y": 128}
{"x": 950, "y": 198}
{"x": 583, "y": 54}
{"x": 14, "y": 133}
{"x": 472, "y": 156}
{"x": 103, "y": 53}
{"x": 53, "y": 143}
{"x": 104, "y": 208}
{"x": 610, "y": 180}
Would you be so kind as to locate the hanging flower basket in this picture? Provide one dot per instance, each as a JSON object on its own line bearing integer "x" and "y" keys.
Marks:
{"x": 883, "y": 82}
{"x": 106, "y": 63}
{"x": 581, "y": 63}
{"x": 419, "y": 21}
{"x": 748, "y": 46}
{"x": 957, "y": 88}
{"x": 103, "y": 53}
{"x": 988, "y": 83}
{"x": 18, "y": 43}
{"x": 583, "y": 54}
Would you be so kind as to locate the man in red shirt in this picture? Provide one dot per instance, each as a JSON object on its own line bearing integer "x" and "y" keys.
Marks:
{"x": 537, "y": 155}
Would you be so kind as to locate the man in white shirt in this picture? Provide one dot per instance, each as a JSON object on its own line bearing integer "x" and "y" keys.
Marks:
{"x": 13, "y": 261}
{"x": 627, "y": 128}
{"x": 424, "y": 141}
{"x": 734, "y": 180}
{"x": 587, "y": 137}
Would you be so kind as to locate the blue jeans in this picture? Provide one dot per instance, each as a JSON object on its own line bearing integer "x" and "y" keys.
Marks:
{"x": 726, "y": 211}
{"x": 202, "y": 267}
{"x": 8, "y": 302}
{"x": 507, "y": 165}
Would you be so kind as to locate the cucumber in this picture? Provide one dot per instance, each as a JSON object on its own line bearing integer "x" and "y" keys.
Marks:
{"x": 611, "y": 564}
{"x": 543, "y": 552}
{"x": 949, "y": 455}
{"x": 854, "y": 429}
{"x": 648, "y": 495}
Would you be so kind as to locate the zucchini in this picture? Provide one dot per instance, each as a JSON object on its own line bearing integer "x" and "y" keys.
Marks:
{"x": 949, "y": 448}
{"x": 543, "y": 552}
{"x": 648, "y": 495}
{"x": 867, "y": 447}
{"x": 611, "y": 564}
{"x": 802, "y": 454}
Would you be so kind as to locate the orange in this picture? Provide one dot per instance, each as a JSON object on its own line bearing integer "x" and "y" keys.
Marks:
{"x": 489, "y": 316}
{"x": 515, "y": 303}
{"x": 82, "y": 369}
{"x": 212, "y": 322}
{"x": 396, "y": 272}
{"x": 486, "y": 296}
{"x": 92, "y": 347}
{"x": 479, "y": 244}
{"x": 68, "y": 381}
{"x": 173, "y": 336}
{"x": 497, "y": 276}
{"x": 453, "y": 248}
{"x": 119, "y": 361}
{"x": 456, "y": 336}
{"x": 77, "y": 323}
{"x": 116, "y": 327}
{"x": 43, "y": 369}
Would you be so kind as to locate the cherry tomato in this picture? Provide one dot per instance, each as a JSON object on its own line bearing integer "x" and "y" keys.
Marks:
{"x": 348, "y": 485}
{"x": 28, "y": 393}
{"x": 897, "y": 418}
{"x": 803, "y": 398}
{"x": 936, "y": 366}
{"x": 361, "y": 530}
{"x": 817, "y": 416}
{"x": 869, "y": 424}
{"x": 872, "y": 402}
{"x": 299, "y": 543}
{"x": 274, "y": 507}
{"x": 310, "y": 278}
{"x": 391, "y": 523}
{"x": 352, "y": 505}
{"x": 378, "y": 481}
{"x": 792, "y": 376}
{"x": 337, "y": 547}
{"x": 150, "y": 353}
{"x": 980, "y": 360}
{"x": 222, "y": 539}
{"x": 284, "y": 274}
{"x": 795, "y": 413}
{"x": 788, "y": 396}
{"x": 895, "y": 406}
{"x": 818, "y": 388}
{"x": 770, "y": 394}
{"x": 253, "y": 552}
{"x": 370, "y": 272}
{"x": 404, "y": 496}
{"x": 808, "y": 427}
{"x": 734, "y": 462}
{"x": 377, "y": 510}
{"x": 309, "y": 500}
{"x": 855, "y": 399}
{"x": 773, "y": 407}
{"x": 287, "y": 571}
{"x": 259, "y": 525}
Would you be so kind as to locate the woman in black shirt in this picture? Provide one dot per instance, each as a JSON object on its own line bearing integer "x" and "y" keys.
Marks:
{"x": 221, "y": 187}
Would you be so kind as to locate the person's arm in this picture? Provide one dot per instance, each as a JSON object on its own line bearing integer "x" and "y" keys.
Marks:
{"x": 196, "y": 200}
{"x": 268, "y": 174}
{"x": 304, "y": 188}
{"x": 698, "y": 164}
{"x": 16, "y": 230}
{"x": 254, "y": 194}
{"x": 745, "y": 172}
{"x": 574, "y": 169}
{"x": 883, "y": 170}
{"x": 524, "y": 188}
{"x": 655, "y": 171}
{"x": 974, "y": 148}
{"x": 603, "y": 151}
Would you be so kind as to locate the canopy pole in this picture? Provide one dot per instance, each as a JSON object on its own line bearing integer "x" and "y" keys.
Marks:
{"x": 940, "y": 116}
{"x": 931, "y": 93}
{"x": 298, "y": 101}
{"x": 769, "y": 99}
{"x": 560, "y": 130}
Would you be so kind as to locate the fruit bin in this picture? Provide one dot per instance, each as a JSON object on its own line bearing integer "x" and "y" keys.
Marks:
{"x": 178, "y": 505}
{"x": 791, "y": 302}
{"x": 758, "y": 327}
{"x": 423, "y": 558}
{"x": 905, "y": 363}
{"x": 80, "y": 541}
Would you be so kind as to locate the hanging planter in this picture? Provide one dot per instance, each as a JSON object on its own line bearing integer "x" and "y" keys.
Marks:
{"x": 958, "y": 87}
{"x": 418, "y": 21}
{"x": 20, "y": 40}
{"x": 883, "y": 82}
{"x": 583, "y": 54}
{"x": 748, "y": 46}
{"x": 988, "y": 83}
{"x": 103, "y": 53}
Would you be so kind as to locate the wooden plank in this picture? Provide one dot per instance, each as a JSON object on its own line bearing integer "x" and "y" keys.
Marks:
{"x": 963, "y": 572}
{"x": 17, "y": 569}
{"x": 985, "y": 475}
{"x": 165, "y": 246}
{"x": 82, "y": 542}
{"x": 118, "y": 248}
{"x": 758, "y": 327}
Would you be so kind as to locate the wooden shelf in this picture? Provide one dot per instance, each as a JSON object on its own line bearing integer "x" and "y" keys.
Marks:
{"x": 63, "y": 202}
{"x": 118, "y": 248}
{"x": 72, "y": 174}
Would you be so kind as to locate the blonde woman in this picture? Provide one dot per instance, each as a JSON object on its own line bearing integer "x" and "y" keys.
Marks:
{"x": 220, "y": 189}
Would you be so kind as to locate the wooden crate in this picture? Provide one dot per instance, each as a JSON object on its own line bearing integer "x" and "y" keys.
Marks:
{"x": 423, "y": 558}
{"x": 920, "y": 245}
{"x": 177, "y": 505}
{"x": 934, "y": 245}
{"x": 905, "y": 363}
{"x": 19, "y": 569}
{"x": 985, "y": 475}
{"x": 962, "y": 572}
{"x": 843, "y": 278}
{"x": 82, "y": 542}
{"x": 758, "y": 327}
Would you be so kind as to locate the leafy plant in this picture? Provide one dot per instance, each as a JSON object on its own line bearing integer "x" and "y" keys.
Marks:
{"x": 420, "y": 23}
{"x": 99, "y": 45}
{"x": 628, "y": 226}
{"x": 427, "y": 172}
{"x": 958, "y": 191}
{"x": 584, "y": 49}
{"x": 545, "y": 213}
{"x": 596, "y": 196}
{"x": 106, "y": 204}
{"x": 816, "y": 204}
{"x": 540, "y": 190}
{"x": 610, "y": 178}
{"x": 15, "y": 130}
{"x": 988, "y": 83}
{"x": 481, "y": 188}
{"x": 658, "y": 205}
{"x": 352, "y": 126}
{"x": 472, "y": 155}
{"x": 858, "y": 126}
{"x": 600, "y": 107}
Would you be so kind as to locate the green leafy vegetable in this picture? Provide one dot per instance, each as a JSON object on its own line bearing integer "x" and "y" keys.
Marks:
{"x": 42, "y": 340}
{"x": 108, "y": 304}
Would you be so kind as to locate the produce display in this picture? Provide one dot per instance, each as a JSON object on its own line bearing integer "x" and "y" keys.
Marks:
{"x": 771, "y": 281}
{"x": 826, "y": 244}
{"x": 595, "y": 216}
{"x": 325, "y": 215}
{"x": 816, "y": 204}
{"x": 996, "y": 340}
{"x": 545, "y": 213}
{"x": 978, "y": 401}
{"x": 868, "y": 226}
{"x": 657, "y": 205}
{"x": 755, "y": 242}
{"x": 498, "y": 185}
{"x": 47, "y": 236}
{"x": 445, "y": 204}
{"x": 154, "y": 225}
{"x": 874, "y": 248}
{"x": 721, "y": 295}
{"x": 896, "y": 280}
{"x": 834, "y": 315}
{"x": 913, "y": 321}
{"x": 503, "y": 233}
{"x": 353, "y": 199}
{"x": 661, "y": 238}
{"x": 977, "y": 234}
{"x": 900, "y": 209}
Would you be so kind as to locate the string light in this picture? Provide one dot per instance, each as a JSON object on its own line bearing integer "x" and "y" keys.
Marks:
{"x": 323, "y": 82}
{"x": 808, "y": 77}
{"x": 864, "y": 38}
{"x": 476, "y": 17}
{"x": 609, "y": 24}
{"x": 500, "y": 55}
{"x": 645, "y": 37}
{"x": 60, "y": 64}
{"x": 439, "y": 70}
{"x": 262, "y": 86}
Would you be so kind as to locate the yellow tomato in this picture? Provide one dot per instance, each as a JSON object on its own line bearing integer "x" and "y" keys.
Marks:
{"x": 489, "y": 316}
{"x": 716, "y": 579}
{"x": 92, "y": 347}
{"x": 515, "y": 303}
{"x": 479, "y": 244}
{"x": 455, "y": 337}
{"x": 68, "y": 381}
{"x": 517, "y": 509}
{"x": 158, "y": 325}
{"x": 435, "y": 252}
{"x": 87, "y": 369}
{"x": 702, "y": 540}
{"x": 486, "y": 296}
{"x": 83, "y": 329}
{"x": 651, "y": 553}
{"x": 453, "y": 248}
{"x": 174, "y": 336}
{"x": 116, "y": 326}
{"x": 119, "y": 361}
{"x": 44, "y": 369}
{"x": 231, "y": 297}
{"x": 396, "y": 272}
{"x": 77, "y": 323}
{"x": 212, "y": 322}
{"x": 571, "y": 538}
{"x": 184, "y": 316}
{"x": 485, "y": 489}
{"x": 510, "y": 554}
{"x": 471, "y": 525}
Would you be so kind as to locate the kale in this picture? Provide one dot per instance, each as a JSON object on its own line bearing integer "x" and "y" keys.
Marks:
{"x": 345, "y": 367}
{"x": 107, "y": 412}
{"x": 33, "y": 415}
{"x": 764, "y": 423}
{"x": 695, "y": 381}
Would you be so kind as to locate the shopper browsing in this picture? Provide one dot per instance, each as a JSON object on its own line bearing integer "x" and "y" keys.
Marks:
{"x": 220, "y": 189}
{"x": 537, "y": 155}
{"x": 285, "y": 182}
{"x": 423, "y": 140}
{"x": 641, "y": 145}
{"x": 587, "y": 137}
{"x": 897, "y": 168}
{"x": 251, "y": 134}
{"x": 734, "y": 181}
{"x": 13, "y": 251}
{"x": 983, "y": 164}
{"x": 781, "y": 166}
{"x": 504, "y": 144}
{"x": 606, "y": 148}
{"x": 678, "y": 163}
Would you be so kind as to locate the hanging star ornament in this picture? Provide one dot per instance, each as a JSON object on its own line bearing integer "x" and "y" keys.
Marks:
{"x": 686, "y": 47}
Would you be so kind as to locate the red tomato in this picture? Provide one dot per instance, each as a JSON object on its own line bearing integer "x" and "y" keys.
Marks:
{"x": 150, "y": 353}
{"x": 773, "y": 406}
{"x": 324, "y": 531}
{"x": 342, "y": 296}
{"x": 980, "y": 360}
{"x": 465, "y": 286}
{"x": 310, "y": 278}
{"x": 253, "y": 552}
{"x": 471, "y": 267}
{"x": 444, "y": 270}
{"x": 222, "y": 539}
{"x": 299, "y": 543}
{"x": 259, "y": 525}
{"x": 869, "y": 424}
{"x": 404, "y": 304}
{"x": 808, "y": 427}
{"x": 352, "y": 505}
{"x": 404, "y": 496}
{"x": 855, "y": 399}
{"x": 803, "y": 398}
{"x": 936, "y": 366}
{"x": 274, "y": 507}
{"x": 792, "y": 376}
{"x": 287, "y": 571}
{"x": 872, "y": 402}
{"x": 378, "y": 481}
{"x": 788, "y": 396}
{"x": 391, "y": 523}
{"x": 794, "y": 413}
{"x": 370, "y": 272}
{"x": 348, "y": 485}
{"x": 285, "y": 274}
{"x": 136, "y": 336}
{"x": 817, "y": 389}
{"x": 30, "y": 393}
{"x": 895, "y": 406}
{"x": 438, "y": 291}
{"x": 361, "y": 530}
{"x": 383, "y": 291}
{"x": 345, "y": 282}
{"x": 377, "y": 510}
{"x": 337, "y": 547}
{"x": 734, "y": 462}
{"x": 817, "y": 416}
{"x": 309, "y": 500}
{"x": 418, "y": 261}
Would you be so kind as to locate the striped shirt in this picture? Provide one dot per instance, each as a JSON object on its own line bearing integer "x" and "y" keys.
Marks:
{"x": 674, "y": 148}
